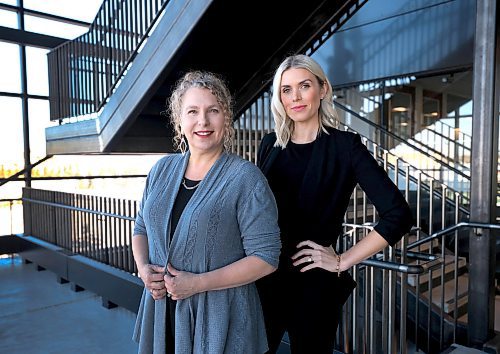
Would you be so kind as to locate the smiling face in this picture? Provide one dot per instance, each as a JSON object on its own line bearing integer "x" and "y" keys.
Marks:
{"x": 202, "y": 121}
{"x": 301, "y": 95}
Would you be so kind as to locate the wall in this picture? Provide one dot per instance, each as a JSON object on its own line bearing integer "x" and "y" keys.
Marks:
{"x": 395, "y": 38}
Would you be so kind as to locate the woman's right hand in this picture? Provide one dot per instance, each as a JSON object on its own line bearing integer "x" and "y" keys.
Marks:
{"x": 152, "y": 277}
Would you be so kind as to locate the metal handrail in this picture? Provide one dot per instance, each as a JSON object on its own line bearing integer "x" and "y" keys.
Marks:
{"x": 432, "y": 261}
{"x": 69, "y": 207}
{"x": 449, "y": 126}
{"x": 57, "y": 178}
{"x": 403, "y": 267}
{"x": 460, "y": 225}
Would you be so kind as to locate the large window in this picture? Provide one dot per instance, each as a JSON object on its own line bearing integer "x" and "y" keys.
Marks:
{"x": 11, "y": 135}
{"x": 65, "y": 19}
{"x": 37, "y": 73}
{"x": 53, "y": 27}
{"x": 74, "y": 9}
{"x": 10, "y": 71}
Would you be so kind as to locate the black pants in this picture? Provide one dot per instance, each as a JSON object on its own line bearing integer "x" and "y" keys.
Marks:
{"x": 170, "y": 326}
{"x": 300, "y": 303}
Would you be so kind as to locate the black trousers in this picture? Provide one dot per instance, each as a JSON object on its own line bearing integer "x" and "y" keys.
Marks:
{"x": 300, "y": 303}
{"x": 170, "y": 326}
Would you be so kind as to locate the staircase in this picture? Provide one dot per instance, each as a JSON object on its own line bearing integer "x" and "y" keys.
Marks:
{"x": 110, "y": 85}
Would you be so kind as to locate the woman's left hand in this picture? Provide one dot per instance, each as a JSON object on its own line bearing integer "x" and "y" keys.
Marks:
{"x": 315, "y": 256}
{"x": 180, "y": 285}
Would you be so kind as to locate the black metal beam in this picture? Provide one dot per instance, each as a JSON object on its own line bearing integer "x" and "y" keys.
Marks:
{"x": 24, "y": 92}
{"x": 29, "y": 38}
{"x": 44, "y": 15}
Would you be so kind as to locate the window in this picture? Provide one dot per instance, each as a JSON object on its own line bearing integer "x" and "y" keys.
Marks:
{"x": 8, "y": 19}
{"x": 10, "y": 71}
{"x": 11, "y": 137}
{"x": 53, "y": 28}
{"x": 38, "y": 77}
{"x": 38, "y": 112}
{"x": 77, "y": 10}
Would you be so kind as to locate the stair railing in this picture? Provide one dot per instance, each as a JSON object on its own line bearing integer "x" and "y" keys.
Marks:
{"x": 382, "y": 309}
{"x": 85, "y": 71}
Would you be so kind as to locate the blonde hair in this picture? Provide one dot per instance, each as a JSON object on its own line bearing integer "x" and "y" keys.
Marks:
{"x": 283, "y": 124}
{"x": 217, "y": 87}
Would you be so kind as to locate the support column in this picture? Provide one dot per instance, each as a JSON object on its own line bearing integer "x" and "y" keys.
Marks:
{"x": 481, "y": 304}
{"x": 24, "y": 92}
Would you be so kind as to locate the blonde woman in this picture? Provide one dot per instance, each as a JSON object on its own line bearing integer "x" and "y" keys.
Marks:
{"x": 205, "y": 232}
{"x": 312, "y": 169}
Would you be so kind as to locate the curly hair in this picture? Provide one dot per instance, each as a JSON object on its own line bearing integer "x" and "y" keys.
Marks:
{"x": 217, "y": 86}
{"x": 283, "y": 124}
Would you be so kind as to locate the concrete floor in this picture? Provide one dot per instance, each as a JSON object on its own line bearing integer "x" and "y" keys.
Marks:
{"x": 36, "y": 318}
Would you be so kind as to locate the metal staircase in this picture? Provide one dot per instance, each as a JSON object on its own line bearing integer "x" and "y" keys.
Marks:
{"x": 109, "y": 86}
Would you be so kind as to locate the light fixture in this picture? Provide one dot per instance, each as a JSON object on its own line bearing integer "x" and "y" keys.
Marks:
{"x": 400, "y": 109}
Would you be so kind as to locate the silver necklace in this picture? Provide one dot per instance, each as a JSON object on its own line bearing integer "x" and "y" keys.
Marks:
{"x": 189, "y": 188}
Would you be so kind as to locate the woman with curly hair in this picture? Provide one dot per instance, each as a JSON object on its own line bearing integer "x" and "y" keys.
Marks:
{"x": 206, "y": 230}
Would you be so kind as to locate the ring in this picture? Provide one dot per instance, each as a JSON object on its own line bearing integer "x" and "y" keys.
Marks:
{"x": 310, "y": 259}
{"x": 169, "y": 294}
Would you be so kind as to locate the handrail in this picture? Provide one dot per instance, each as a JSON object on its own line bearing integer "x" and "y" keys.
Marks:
{"x": 403, "y": 267}
{"x": 69, "y": 207}
{"x": 23, "y": 171}
{"x": 57, "y": 178}
{"x": 460, "y": 225}
{"x": 449, "y": 126}
{"x": 442, "y": 136}
{"x": 432, "y": 260}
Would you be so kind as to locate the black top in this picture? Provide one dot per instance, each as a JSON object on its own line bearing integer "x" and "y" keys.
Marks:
{"x": 181, "y": 201}
{"x": 338, "y": 162}
{"x": 183, "y": 197}
{"x": 286, "y": 177}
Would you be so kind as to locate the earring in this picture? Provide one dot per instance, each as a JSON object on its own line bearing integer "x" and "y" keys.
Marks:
{"x": 183, "y": 145}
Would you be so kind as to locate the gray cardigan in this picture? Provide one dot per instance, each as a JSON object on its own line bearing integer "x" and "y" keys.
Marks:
{"x": 231, "y": 215}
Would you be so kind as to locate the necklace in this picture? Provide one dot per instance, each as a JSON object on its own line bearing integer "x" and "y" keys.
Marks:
{"x": 189, "y": 188}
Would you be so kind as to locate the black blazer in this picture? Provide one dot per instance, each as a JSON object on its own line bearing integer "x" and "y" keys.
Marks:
{"x": 339, "y": 162}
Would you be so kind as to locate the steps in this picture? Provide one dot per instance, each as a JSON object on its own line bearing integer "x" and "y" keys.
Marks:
{"x": 460, "y": 349}
{"x": 446, "y": 274}
{"x": 449, "y": 266}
